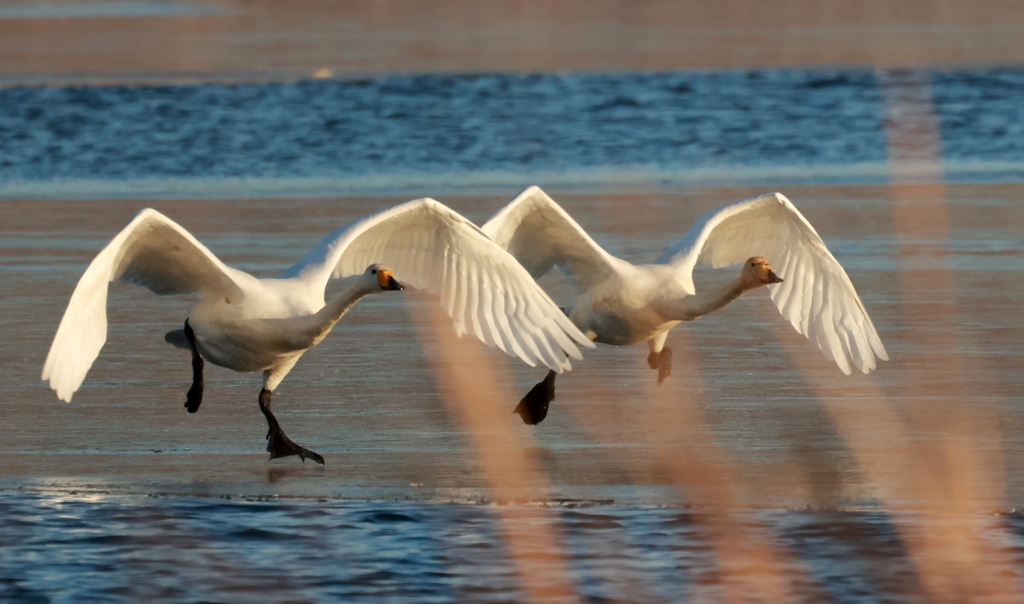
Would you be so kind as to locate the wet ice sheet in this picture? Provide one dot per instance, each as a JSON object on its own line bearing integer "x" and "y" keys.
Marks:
{"x": 370, "y": 400}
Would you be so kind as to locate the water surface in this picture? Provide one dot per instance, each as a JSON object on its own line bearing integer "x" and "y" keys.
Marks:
{"x": 450, "y": 133}
{"x": 80, "y": 548}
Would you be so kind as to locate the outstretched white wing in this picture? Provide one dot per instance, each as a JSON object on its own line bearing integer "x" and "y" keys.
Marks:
{"x": 541, "y": 235}
{"x": 152, "y": 251}
{"x": 482, "y": 288}
{"x": 817, "y": 296}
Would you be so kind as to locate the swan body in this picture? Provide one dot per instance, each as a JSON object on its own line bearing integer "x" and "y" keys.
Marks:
{"x": 620, "y": 303}
{"x": 249, "y": 324}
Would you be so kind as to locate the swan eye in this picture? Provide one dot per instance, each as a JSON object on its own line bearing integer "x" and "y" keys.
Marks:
{"x": 753, "y": 264}
{"x": 374, "y": 271}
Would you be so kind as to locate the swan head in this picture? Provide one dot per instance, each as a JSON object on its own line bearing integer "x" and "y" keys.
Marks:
{"x": 380, "y": 278}
{"x": 757, "y": 271}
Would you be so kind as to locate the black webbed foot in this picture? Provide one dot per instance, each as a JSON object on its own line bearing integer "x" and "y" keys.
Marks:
{"x": 278, "y": 444}
{"x": 662, "y": 361}
{"x": 534, "y": 406}
{"x": 194, "y": 398}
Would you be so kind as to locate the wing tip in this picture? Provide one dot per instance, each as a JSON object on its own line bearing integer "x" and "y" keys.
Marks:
{"x": 530, "y": 362}
{"x": 63, "y": 393}
{"x": 146, "y": 213}
{"x": 868, "y": 366}
{"x": 575, "y": 335}
{"x": 529, "y": 192}
{"x": 421, "y": 201}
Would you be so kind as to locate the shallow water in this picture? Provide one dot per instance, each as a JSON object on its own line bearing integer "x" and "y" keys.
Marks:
{"x": 757, "y": 471}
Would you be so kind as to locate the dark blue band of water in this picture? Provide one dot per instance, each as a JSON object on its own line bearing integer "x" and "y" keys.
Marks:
{"x": 175, "y": 549}
{"x": 501, "y": 122}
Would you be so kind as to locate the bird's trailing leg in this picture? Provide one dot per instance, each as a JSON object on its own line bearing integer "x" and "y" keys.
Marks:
{"x": 194, "y": 398}
{"x": 534, "y": 406}
{"x": 662, "y": 361}
{"x": 279, "y": 445}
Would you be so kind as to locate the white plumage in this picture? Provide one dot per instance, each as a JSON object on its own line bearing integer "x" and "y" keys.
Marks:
{"x": 817, "y": 297}
{"x": 620, "y": 303}
{"x": 248, "y": 324}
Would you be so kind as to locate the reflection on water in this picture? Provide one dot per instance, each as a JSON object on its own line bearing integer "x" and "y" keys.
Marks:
{"x": 130, "y": 549}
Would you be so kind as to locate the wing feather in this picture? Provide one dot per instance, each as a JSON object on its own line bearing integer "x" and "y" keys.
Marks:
{"x": 485, "y": 318}
{"x": 430, "y": 247}
{"x": 541, "y": 236}
{"x": 526, "y": 338}
{"x": 461, "y": 299}
{"x": 817, "y": 296}
{"x": 152, "y": 251}
{"x": 511, "y": 346}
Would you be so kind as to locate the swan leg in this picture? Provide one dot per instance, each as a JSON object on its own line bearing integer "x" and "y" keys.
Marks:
{"x": 279, "y": 445}
{"x": 660, "y": 357}
{"x": 662, "y": 361}
{"x": 534, "y": 406}
{"x": 194, "y": 398}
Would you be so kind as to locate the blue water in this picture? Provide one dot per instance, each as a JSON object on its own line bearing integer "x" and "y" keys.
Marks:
{"x": 95, "y": 548}
{"x": 393, "y": 133}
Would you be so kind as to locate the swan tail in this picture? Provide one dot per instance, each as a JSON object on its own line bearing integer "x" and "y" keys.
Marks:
{"x": 177, "y": 339}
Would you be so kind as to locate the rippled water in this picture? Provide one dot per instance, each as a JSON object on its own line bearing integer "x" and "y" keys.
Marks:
{"x": 358, "y": 135}
{"x": 69, "y": 548}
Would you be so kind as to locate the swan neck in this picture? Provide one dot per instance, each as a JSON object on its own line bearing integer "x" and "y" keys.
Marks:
{"x": 337, "y": 307}
{"x": 693, "y": 307}
{"x": 307, "y": 331}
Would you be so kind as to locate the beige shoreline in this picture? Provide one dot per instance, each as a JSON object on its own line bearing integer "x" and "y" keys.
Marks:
{"x": 292, "y": 40}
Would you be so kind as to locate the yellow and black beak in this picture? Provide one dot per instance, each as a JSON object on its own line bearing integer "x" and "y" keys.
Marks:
{"x": 387, "y": 281}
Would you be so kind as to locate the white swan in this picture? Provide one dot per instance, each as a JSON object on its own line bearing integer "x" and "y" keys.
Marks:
{"x": 619, "y": 303}
{"x": 249, "y": 324}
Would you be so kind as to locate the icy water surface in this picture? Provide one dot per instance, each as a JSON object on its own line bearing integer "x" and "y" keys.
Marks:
{"x": 458, "y": 133}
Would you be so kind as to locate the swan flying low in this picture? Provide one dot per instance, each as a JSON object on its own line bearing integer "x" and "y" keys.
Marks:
{"x": 620, "y": 303}
{"x": 249, "y": 324}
